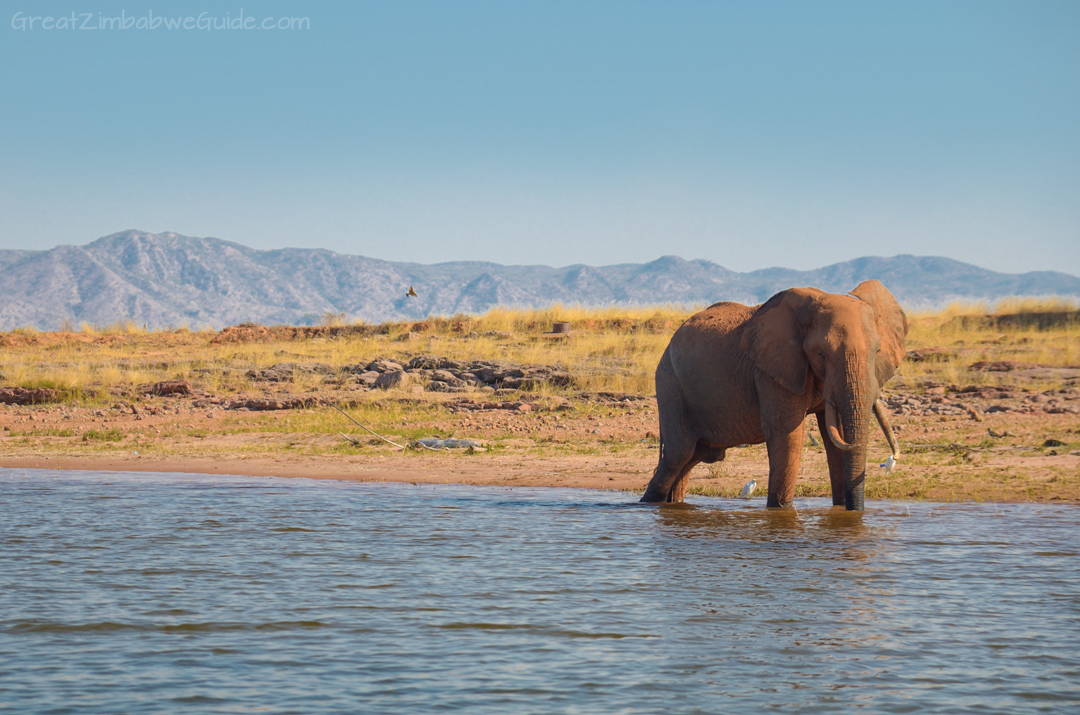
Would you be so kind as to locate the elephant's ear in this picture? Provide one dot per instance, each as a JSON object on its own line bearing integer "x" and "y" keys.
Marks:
{"x": 891, "y": 325}
{"x": 773, "y": 337}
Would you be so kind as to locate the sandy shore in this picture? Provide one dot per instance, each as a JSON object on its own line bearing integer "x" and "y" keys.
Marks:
{"x": 1008, "y": 475}
{"x": 578, "y": 444}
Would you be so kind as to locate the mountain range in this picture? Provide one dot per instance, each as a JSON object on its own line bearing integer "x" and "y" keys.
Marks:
{"x": 168, "y": 280}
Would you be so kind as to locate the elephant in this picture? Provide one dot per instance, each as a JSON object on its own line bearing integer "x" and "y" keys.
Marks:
{"x": 734, "y": 375}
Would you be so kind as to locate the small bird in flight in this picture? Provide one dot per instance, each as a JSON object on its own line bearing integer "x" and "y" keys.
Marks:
{"x": 998, "y": 435}
{"x": 889, "y": 464}
{"x": 748, "y": 489}
{"x": 411, "y": 293}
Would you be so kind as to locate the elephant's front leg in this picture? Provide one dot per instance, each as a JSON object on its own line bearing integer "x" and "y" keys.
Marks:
{"x": 836, "y": 462}
{"x": 785, "y": 456}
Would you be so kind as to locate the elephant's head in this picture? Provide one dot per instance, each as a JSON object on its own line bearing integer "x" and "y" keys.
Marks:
{"x": 852, "y": 344}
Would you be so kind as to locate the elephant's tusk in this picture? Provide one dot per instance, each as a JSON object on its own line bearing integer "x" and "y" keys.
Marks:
{"x": 834, "y": 433}
{"x": 883, "y": 421}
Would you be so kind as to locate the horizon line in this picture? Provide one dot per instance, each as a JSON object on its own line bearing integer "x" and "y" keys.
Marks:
{"x": 530, "y": 265}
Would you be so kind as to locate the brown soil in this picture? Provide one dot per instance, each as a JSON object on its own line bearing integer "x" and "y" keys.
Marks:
{"x": 594, "y": 441}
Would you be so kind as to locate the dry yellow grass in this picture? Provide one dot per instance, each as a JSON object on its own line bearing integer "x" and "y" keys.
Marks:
{"x": 1042, "y": 331}
{"x": 610, "y": 349}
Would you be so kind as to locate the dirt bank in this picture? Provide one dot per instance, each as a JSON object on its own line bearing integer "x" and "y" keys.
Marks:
{"x": 956, "y": 447}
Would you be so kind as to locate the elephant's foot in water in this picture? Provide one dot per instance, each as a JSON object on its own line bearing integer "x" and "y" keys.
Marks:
{"x": 774, "y": 503}
{"x": 785, "y": 457}
{"x": 660, "y": 487}
{"x": 669, "y": 483}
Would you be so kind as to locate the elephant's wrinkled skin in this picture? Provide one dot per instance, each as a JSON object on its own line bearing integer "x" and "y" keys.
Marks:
{"x": 734, "y": 374}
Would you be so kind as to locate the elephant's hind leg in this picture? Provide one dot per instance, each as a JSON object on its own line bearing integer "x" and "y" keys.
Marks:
{"x": 678, "y": 441}
{"x": 668, "y": 483}
{"x": 702, "y": 453}
{"x": 677, "y": 493}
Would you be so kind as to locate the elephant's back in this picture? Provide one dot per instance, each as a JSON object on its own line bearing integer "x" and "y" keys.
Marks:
{"x": 717, "y": 322}
{"x": 708, "y": 342}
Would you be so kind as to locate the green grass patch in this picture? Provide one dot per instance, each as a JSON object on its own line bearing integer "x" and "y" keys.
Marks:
{"x": 109, "y": 435}
{"x": 44, "y": 432}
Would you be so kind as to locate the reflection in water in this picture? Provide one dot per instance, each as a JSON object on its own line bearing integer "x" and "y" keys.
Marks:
{"x": 139, "y": 593}
{"x": 755, "y": 522}
{"x": 804, "y": 575}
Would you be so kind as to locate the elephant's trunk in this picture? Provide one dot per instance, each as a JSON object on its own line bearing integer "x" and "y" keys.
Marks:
{"x": 883, "y": 422}
{"x": 850, "y": 403}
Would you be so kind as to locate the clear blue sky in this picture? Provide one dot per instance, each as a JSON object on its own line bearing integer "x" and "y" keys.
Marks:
{"x": 752, "y": 134}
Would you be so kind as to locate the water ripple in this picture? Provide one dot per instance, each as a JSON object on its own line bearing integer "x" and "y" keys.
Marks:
{"x": 145, "y": 594}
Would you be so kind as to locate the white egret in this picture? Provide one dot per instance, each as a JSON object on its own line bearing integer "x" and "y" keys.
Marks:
{"x": 888, "y": 465}
{"x": 748, "y": 489}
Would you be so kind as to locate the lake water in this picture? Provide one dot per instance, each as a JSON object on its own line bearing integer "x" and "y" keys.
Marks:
{"x": 124, "y": 593}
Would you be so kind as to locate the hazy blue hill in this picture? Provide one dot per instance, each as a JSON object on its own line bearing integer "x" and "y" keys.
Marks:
{"x": 919, "y": 280}
{"x": 168, "y": 279}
